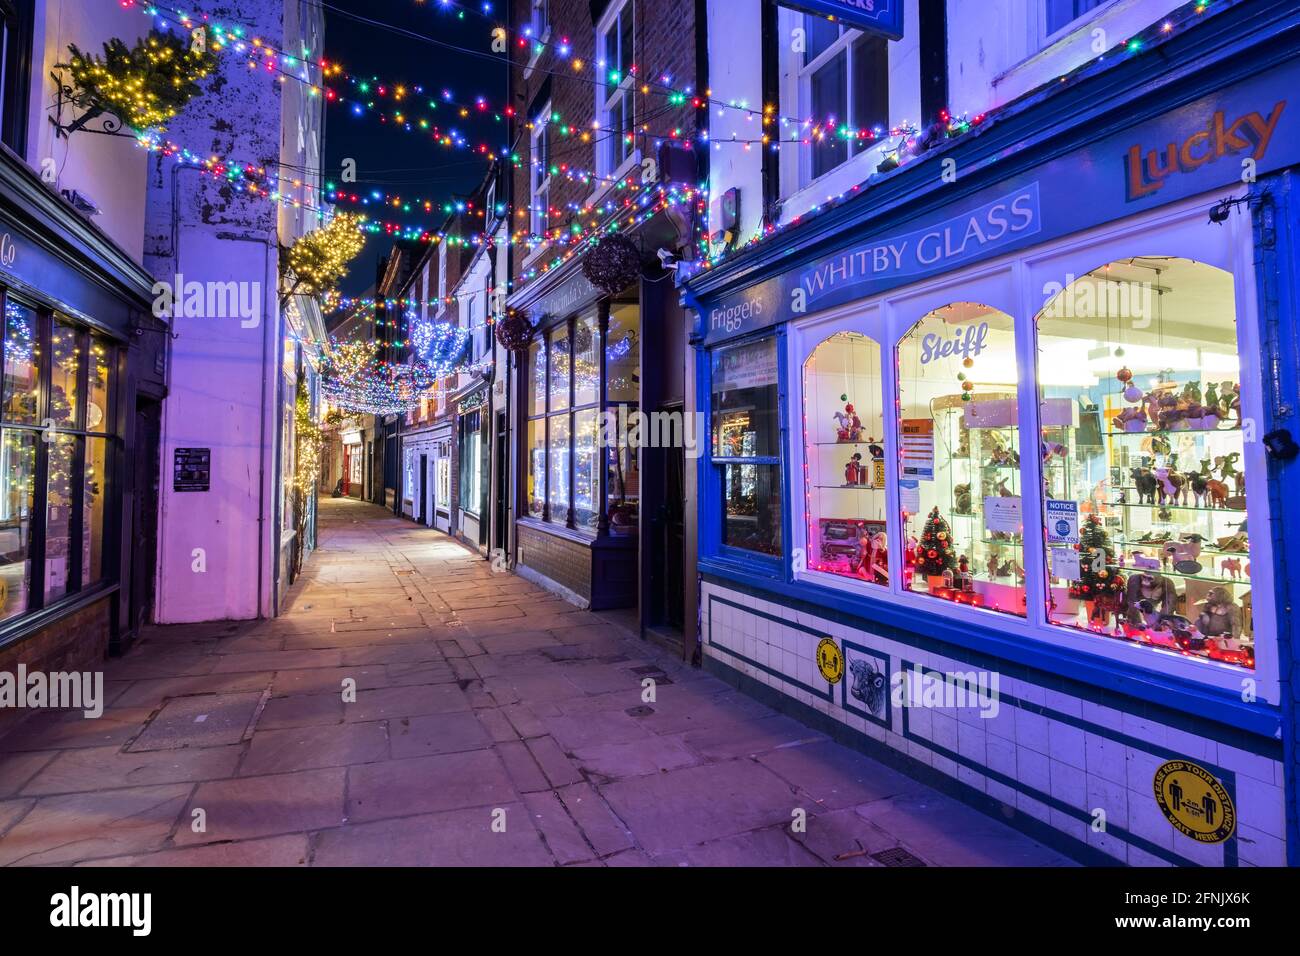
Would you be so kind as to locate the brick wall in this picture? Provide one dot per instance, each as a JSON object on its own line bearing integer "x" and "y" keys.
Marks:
{"x": 663, "y": 46}
{"x": 78, "y": 642}
{"x": 563, "y": 561}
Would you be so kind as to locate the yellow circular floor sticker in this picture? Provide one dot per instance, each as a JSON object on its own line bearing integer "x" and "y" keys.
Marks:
{"x": 830, "y": 660}
{"x": 1194, "y": 801}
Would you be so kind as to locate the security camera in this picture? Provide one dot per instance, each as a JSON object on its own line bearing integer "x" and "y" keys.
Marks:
{"x": 668, "y": 259}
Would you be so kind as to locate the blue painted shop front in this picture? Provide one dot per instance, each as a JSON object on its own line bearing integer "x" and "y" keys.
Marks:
{"x": 1094, "y": 326}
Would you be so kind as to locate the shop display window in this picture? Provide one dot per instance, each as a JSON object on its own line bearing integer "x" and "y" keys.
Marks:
{"x": 1144, "y": 492}
{"x": 65, "y": 369}
{"x": 536, "y": 478}
{"x": 17, "y": 496}
{"x": 746, "y": 444}
{"x": 844, "y": 459}
{"x": 557, "y": 474}
{"x": 959, "y": 459}
{"x": 586, "y": 474}
{"x": 21, "y": 364}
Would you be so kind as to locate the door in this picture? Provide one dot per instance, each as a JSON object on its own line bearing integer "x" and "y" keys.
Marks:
{"x": 499, "y": 503}
{"x": 144, "y": 512}
{"x": 422, "y": 503}
{"x": 668, "y": 539}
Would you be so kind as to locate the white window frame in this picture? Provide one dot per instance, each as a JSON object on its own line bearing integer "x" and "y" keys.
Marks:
{"x": 608, "y": 160}
{"x": 538, "y": 31}
{"x": 796, "y": 87}
{"x": 539, "y": 176}
{"x": 1008, "y": 284}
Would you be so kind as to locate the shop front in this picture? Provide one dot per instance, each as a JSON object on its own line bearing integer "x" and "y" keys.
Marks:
{"x": 354, "y": 464}
{"x": 579, "y": 514}
{"x": 995, "y": 482}
{"x": 73, "y": 401}
{"x": 427, "y": 457}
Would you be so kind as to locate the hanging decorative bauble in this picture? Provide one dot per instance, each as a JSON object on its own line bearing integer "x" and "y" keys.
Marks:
{"x": 968, "y": 361}
{"x": 1119, "y": 351}
{"x": 612, "y": 264}
{"x": 1133, "y": 394}
{"x": 1124, "y": 375}
{"x": 967, "y": 386}
{"x": 961, "y": 376}
{"x": 515, "y": 331}
{"x": 965, "y": 396}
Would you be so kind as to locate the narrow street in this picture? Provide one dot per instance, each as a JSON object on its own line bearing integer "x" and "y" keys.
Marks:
{"x": 476, "y": 693}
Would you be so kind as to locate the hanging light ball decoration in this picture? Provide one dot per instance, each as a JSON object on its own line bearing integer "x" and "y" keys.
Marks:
{"x": 612, "y": 264}
{"x": 515, "y": 331}
{"x": 144, "y": 85}
{"x": 318, "y": 260}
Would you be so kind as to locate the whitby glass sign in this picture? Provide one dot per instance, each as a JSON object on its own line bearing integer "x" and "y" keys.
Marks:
{"x": 877, "y": 16}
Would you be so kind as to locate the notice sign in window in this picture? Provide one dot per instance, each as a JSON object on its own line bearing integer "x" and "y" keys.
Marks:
{"x": 192, "y": 469}
{"x": 918, "y": 448}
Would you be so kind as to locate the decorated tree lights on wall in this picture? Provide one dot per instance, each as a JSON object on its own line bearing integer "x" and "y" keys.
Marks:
{"x": 318, "y": 260}
{"x": 141, "y": 86}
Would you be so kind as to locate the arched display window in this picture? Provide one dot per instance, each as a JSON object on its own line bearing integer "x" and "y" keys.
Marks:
{"x": 959, "y": 482}
{"x": 844, "y": 459}
{"x": 1144, "y": 486}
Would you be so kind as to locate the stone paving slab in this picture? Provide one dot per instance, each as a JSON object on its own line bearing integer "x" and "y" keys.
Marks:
{"x": 480, "y": 699}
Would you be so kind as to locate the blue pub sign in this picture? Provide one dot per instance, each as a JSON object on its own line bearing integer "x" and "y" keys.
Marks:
{"x": 876, "y": 16}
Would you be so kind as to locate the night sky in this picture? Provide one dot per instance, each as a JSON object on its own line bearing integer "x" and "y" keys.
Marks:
{"x": 388, "y": 158}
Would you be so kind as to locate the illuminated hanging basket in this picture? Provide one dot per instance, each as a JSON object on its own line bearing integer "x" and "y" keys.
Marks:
{"x": 515, "y": 331}
{"x": 612, "y": 264}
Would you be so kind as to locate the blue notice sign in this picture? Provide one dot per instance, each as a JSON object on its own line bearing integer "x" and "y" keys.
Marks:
{"x": 877, "y": 16}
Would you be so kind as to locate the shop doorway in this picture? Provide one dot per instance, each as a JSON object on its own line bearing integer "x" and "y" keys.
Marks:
{"x": 499, "y": 504}
{"x": 665, "y": 607}
{"x": 145, "y": 463}
{"x": 422, "y": 505}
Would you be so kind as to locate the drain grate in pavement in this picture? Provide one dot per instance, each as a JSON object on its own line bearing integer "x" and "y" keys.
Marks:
{"x": 897, "y": 856}
{"x": 642, "y": 711}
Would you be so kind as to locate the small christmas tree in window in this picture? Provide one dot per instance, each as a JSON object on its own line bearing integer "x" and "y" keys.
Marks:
{"x": 1097, "y": 577}
{"x": 935, "y": 554}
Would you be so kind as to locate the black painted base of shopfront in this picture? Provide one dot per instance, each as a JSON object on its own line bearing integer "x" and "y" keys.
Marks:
{"x": 599, "y": 573}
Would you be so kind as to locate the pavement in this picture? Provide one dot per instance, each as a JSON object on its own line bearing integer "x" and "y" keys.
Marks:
{"x": 413, "y": 707}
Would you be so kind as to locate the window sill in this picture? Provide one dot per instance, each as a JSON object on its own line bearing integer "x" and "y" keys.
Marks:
{"x": 610, "y": 180}
{"x": 18, "y": 629}
{"x": 1007, "y": 639}
{"x": 559, "y": 531}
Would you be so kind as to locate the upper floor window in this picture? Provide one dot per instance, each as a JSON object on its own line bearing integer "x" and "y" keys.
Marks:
{"x": 615, "y": 108}
{"x": 15, "y": 43}
{"x": 539, "y": 22}
{"x": 1061, "y": 13}
{"x": 540, "y": 181}
{"x": 839, "y": 79}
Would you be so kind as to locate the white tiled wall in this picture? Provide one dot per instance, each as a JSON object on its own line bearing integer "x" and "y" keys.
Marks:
{"x": 1084, "y": 768}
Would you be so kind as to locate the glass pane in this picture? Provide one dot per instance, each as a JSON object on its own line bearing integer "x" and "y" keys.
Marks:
{"x": 17, "y": 477}
{"x": 870, "y": 83}
{"x": 58, "y": 514}
{"x": 625, "y": 47}
{"x": 844, "y": 459}
{"x": 623, "y": 353}
{"x": 559, "y": 379}
{"x": 821, "y": 33}
{"x": 65, "y": 367}
{"x": 557, "y": 479}
{"x": 959, "y": 460}
{"x": 744, "y": 401}
{"x": 21, "y": 387}
{"x": 752, "y": 513}
{"x": 829, "y": 92}
{"x": 586, "y": 470}
{"x": 92, "y": 514}
{"x": 98, "y": 410}
{"x": 536, "y": 490}
{"x": 624, "y": 478}
{"x": 537, "y": 377}
{"x": 586, "y": 360}
{"x": 1145, "y": 492}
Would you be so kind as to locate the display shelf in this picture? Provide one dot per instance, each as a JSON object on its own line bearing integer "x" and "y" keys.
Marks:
{"x": 848, "y": 488}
